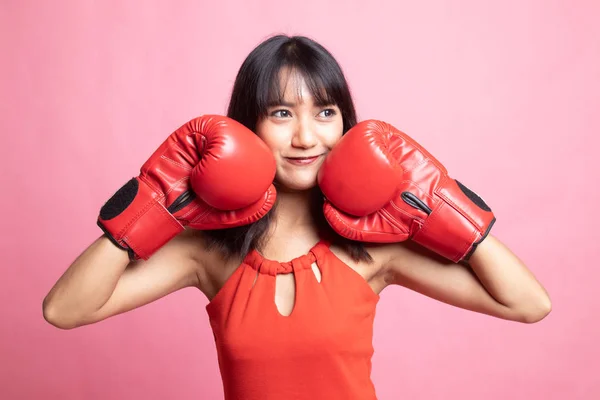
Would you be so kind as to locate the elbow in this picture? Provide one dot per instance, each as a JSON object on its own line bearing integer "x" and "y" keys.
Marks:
{"x": 538, "y": 314}
{"x": 54, "y": 318}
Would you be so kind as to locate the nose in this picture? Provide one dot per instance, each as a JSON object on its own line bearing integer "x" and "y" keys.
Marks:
{"x": 305, "y": 135}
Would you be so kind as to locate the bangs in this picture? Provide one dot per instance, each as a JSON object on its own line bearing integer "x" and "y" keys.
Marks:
{"x": 324, "y": 85}
{"x": 322, "y": 94}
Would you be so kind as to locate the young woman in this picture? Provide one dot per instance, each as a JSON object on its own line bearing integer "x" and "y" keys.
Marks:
{"x": 292, "y": 219}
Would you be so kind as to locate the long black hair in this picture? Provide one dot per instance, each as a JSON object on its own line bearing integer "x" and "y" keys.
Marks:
{"x": 257, "y": 87}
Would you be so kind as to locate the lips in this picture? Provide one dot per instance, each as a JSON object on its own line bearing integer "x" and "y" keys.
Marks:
{"x": 303, "y": 160}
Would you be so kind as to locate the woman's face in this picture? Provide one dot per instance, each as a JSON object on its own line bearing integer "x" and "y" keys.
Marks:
{"x": 299, "y": 133}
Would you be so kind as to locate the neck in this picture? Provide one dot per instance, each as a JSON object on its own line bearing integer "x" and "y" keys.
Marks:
{"x": 294, "y": 211}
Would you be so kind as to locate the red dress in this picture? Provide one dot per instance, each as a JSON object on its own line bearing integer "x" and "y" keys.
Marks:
{"x": 322, "y": 350}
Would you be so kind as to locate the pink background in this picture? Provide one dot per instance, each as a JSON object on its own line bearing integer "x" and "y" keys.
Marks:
{"x": 505, "y": 94}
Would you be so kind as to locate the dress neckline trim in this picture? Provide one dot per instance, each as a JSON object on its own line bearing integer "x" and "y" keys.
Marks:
{"x": 262, "y": 264}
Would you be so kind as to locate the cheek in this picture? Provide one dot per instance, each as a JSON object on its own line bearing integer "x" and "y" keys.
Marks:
{"x": 270, "y": 136}
{"x": 334, "y": 135}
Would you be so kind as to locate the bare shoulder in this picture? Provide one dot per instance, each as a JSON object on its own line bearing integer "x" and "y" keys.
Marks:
{"x": 374, "y": 272}
{"x": 390, "y": 260}
{"x": 211, "y": 267}
{"x": 393, "y": 261}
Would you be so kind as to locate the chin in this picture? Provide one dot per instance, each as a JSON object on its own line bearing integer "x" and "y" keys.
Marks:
{"x": 297, "y": 185}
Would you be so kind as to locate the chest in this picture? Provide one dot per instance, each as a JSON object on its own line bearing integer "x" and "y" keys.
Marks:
{"x": 284, "y": 295}
{"x": 293, "y": 314}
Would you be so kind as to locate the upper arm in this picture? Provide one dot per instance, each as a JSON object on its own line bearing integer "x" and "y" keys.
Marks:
{"x": 419, "y": 269}
{"x": 171, "y": 268}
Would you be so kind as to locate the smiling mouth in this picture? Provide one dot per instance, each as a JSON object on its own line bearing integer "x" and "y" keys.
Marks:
{"x": 303, "y": 160}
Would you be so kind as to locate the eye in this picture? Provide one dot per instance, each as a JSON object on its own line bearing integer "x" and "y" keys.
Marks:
{"x": 281, "y": 113}
{"x": 330, "y": 112}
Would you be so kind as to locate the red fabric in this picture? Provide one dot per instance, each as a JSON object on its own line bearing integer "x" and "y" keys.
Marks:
{"x": 322, "y": 350}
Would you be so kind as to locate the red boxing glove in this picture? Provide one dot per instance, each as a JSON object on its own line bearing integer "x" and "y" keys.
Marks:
{"x": 211, "y": 173}
{"x": 382, "y": 186}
